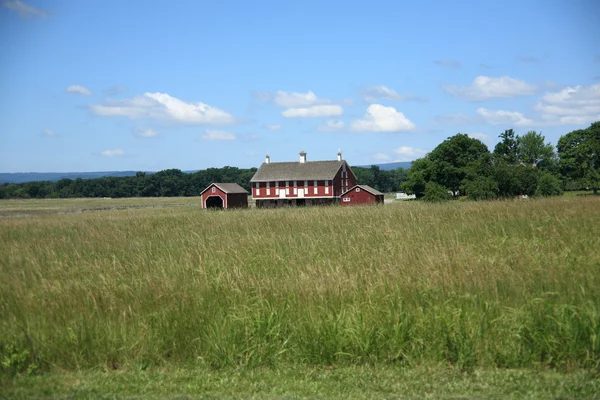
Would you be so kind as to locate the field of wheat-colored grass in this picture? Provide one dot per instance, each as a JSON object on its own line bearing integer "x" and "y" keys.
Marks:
{"x": 509, "y": 284}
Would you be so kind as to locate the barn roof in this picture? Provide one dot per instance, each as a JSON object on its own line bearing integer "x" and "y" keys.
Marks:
{"x": 365, "y": 188}
{"x": 295, "y": 171}
{"x": 228, "y": 188}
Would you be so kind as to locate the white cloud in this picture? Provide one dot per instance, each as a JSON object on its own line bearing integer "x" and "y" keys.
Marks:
{"x": 496, "y": 117}
{"x": 218, "y": 135}
{"x": 145, "y": 133}
{"x": 485, "y": 87}
{"x": 78, "y": 89}
{"x": 448, "y": 63}
{"x": 294, "y": 99}
{"x": 331, "y": 125}
{"x": 291, "y": 99}
{"x": 113, "y": 153}
{"x": 379, "y": 118}
{"x": 49, "y": 133}
{"x": 479, "y": 136}
{"x": 579, "y": 105}
{"x": 372, "y": 93}
{"x": 381, "y": 156}
{"x": 24, "y": 10}
{"x": 314, "y": 111}
{"x": 161, "y": 106}
{"x": 406, "y": 153}
{"x": 273, "y": 127}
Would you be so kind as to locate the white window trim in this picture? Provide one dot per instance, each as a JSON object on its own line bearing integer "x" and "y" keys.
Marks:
{"x": 326, "y": 187}
{"x": 346, "y": 199}
{"x": 358, "y": 189}
{"x": 295, "y": 183}
{"x": 214, "y": 189}
{"x": 296, "y": 191}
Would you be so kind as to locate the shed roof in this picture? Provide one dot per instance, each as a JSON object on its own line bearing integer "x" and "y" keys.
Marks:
{"x": 295, "y": 171}
{"x": 367, "y": 188}
{"x": 228, "y": 188}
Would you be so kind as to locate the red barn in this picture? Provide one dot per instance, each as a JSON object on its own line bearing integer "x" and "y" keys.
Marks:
{"x": 361, "y": 195}
{"x": 224, "y": 195}
{"x": 301, "y": 183}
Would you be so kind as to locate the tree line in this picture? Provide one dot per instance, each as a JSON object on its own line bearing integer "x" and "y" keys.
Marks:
{"x": 519, "y": 166}
{"x": 459, "y": 166}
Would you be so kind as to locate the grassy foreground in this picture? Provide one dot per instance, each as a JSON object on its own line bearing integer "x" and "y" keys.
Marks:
{"x": 469, "y": 287}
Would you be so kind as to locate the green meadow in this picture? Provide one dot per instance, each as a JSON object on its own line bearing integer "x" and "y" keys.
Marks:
{"x": 494, "y": 299}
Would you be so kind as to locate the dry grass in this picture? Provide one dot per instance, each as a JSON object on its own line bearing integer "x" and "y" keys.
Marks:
{"x": 496, "y": 284}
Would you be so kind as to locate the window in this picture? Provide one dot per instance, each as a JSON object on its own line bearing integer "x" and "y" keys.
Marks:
{"x": 277, "y": 191}
{"x": 214, "y": 189}
{"x": 358, "y": 189}
{"x": 287, "y": 184}
{"x": 326, "y": 187}
{"x": 268, "y": 188}
{"x": 257, "y": 189}
{"x": 295, "y": 190}
{"x": 305, "y": 184}
{"x": 316, "y": 188}
{"x": 295, "y": 183}
{"x": 346, "y": 199}
{"x": 287, "y": 191}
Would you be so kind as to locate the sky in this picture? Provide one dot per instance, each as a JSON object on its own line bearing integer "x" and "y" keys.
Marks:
{"x": 149, "y": 85}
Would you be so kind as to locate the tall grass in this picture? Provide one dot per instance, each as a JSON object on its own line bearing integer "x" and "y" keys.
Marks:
{"x": 497, "y": 284}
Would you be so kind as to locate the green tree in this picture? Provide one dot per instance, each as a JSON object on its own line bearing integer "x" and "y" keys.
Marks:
{"x": 579, "y": 153}
{"x": 435, "y": 193}
{"x": 417, "y": 177}
{"x": 532, "y": 150}
{"x": 507, "y": 149}
{"x": 482, "y": 188}
{"x": 454, "y": 159}
{"x": 548, "y": 185}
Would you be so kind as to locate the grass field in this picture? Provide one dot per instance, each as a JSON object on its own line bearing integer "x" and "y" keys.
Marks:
{"x": 478, "y": 296}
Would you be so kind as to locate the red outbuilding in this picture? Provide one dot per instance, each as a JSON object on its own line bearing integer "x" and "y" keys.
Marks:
{"x": 361, "y": 195}
{"x": 224, "y": 195}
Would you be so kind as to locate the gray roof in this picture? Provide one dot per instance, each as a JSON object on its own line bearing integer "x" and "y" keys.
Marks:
{"x": 366, "y": 188}
{"x": 296, "y": 171}
{"x": 228, "y": 188}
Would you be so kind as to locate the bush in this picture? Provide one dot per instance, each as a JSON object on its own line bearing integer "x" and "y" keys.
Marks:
{"x": 548, "y": 185}
{"x": 482, "y": 188}
{"x": 435, "y": 193}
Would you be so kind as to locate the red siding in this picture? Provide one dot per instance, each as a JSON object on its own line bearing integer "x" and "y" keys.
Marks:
{"x": 360, "y": 197}
{"x": 336, "y": 187}
{"x": 231, "y": 200}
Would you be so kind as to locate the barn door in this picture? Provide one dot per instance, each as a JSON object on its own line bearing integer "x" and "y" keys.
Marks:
{"x": 300, "y": 193}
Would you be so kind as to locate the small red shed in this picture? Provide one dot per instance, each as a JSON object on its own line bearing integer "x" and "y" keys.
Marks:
{"x": 361, "y": 195}
{"x": 224, "y": 195}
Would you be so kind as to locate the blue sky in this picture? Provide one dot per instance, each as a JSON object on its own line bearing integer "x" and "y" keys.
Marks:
{"x": 150, "y": 85}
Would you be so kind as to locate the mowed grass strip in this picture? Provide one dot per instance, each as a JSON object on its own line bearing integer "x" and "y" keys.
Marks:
{"x": 511, "y": 284}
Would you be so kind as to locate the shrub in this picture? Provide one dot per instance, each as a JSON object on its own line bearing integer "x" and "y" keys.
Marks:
{"x": 482, "y": 188}
{"x": 548, "y": 185}
{"x": 435, "y": 192}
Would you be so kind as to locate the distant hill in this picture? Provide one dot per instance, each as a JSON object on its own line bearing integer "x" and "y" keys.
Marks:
{"x": 390, "y": 166}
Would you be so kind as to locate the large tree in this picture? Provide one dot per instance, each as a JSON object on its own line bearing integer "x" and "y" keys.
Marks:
{"x": 532, "y": 150}
{"x": 507, "y": 149}
{"x": 449, "y": 164}
{"x": 579, "y": 153}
